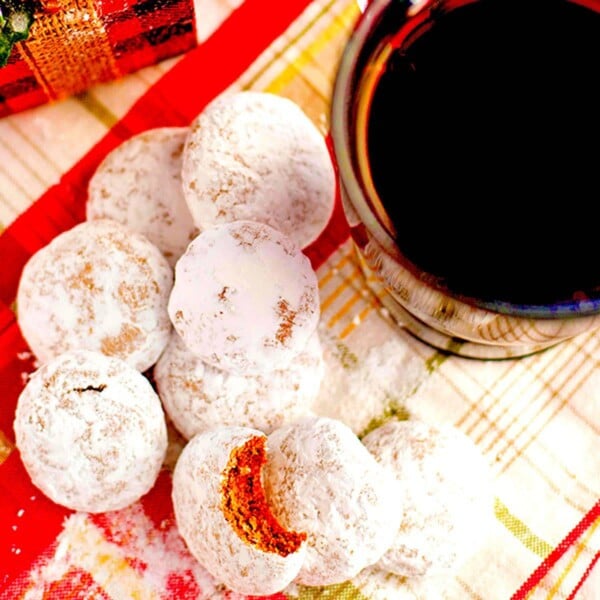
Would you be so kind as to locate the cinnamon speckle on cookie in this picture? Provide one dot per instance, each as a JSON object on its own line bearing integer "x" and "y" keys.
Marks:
{"x": 98, "y": 286}
{"x": 447, "y": 496}
{"x": 91, "y": 431}
{"x": 245, "y": 298}
{"x": 257, "y": 156}
{"x": 319, "y": 478}
{"x": 198, "y": 397}
{"x": 139, "y": 185}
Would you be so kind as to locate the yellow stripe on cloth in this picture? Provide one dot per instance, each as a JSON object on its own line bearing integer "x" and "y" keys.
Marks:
{"x": 333, "y": 271}
{"x": 359, "y": 318}
{"x": 335, "y": 294}
{"x": 341, "y": 591}
{"x": 98, "y": 109}
{"x": 340, "y": 23}
{"x": 344, "y": 309}
{"x": 529, "y": 539}
{"x": 338, "y": 26}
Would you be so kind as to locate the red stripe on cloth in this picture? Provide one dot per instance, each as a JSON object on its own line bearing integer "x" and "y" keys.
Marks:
{"x": 585, "y": 575}
{"x": 16, "y": 362}
{"x": 75, "y": 583}
{"x": 28, "y": 520}
{"x": 534, "y": 579}
{"x": 183, "y": 586}
{"x": 157, "y": 503}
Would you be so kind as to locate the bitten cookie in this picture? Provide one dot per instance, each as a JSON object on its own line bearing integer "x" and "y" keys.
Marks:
{"x": 319, "y": 478}
{"x": 99, "y": 287}
{"x": 197, "y": 397}
{"x": 447, "y": 495}
{"x": 245, "y": 298}
{"x": 224, "y": 518}
{"x": 91, "y": 432}
{"x": 257, "y": 156}
{"x": 139, "y": 185}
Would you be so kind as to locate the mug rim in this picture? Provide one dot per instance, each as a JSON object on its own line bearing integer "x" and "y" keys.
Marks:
{"x": 341, "y": 105}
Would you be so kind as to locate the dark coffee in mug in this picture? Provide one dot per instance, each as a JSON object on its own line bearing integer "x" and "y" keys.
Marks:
{"x": 480, "y": 134}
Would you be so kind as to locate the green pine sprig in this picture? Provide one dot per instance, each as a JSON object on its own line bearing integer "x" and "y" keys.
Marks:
{"x": 15, "y": 21}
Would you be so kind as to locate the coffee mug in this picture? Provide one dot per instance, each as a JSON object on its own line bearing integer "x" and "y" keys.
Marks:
{"x": 466, "y": 136}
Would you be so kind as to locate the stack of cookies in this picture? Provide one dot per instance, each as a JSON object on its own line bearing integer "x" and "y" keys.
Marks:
{"x": 190, "y": 272}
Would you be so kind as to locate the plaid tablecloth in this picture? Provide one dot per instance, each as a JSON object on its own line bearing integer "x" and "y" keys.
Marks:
{"x": 536, "y": 419}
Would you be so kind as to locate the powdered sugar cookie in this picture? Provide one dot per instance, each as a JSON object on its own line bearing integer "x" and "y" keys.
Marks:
{"x": 223, "y": 516}
{"x": 91, "y": 432}
{"x": 447, "y": 496}
{"x": 99, "y": 287}
{"x": 139, "y": 185}
{"x": 320, "y": 479}
{"x": 257, "y": 156}
{"x": 245, "y": 298}
{"x": 198, "y": 397}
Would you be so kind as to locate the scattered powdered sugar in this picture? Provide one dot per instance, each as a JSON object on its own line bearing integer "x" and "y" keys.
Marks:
{"x": 376, "y": 584}
{"x": 367, "y": 382}
{"x": 35, "y": 364}
{"x": 156, "y": 562}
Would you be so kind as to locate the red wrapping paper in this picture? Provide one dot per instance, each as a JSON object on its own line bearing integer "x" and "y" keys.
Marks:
{"x": 86, "y": 42}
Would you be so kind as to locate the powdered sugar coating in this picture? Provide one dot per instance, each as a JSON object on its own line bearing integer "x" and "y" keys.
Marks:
{"x": 245, "y": 298}
{"x": 447, "y": 495}
{"x": 97, "y": 286}
{"x": 257, "y": 156}
{"x": 197, "y": 500}
{"x": 139, "y": 185}
{"x": 320, "y": 479}
{"x": 91, "y": 432}
{"x": 197, "y": 397}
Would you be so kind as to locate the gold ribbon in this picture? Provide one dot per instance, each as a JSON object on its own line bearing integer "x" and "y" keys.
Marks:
{"x": 68, "y": 51}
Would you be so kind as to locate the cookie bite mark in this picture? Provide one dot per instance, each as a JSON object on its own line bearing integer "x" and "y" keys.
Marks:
{"x": 244, "y": 503}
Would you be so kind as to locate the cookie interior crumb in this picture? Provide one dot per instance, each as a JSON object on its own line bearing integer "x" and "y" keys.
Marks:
{"x": 245, "y": 506}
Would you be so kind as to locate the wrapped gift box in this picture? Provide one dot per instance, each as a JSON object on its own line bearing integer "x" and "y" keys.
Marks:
{"x": 74, "y": 44}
